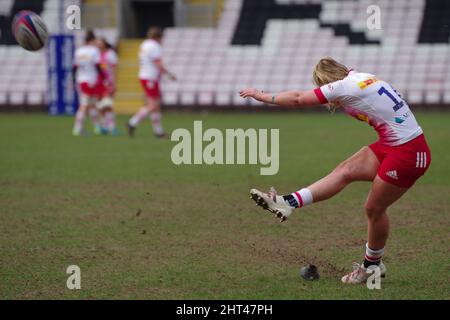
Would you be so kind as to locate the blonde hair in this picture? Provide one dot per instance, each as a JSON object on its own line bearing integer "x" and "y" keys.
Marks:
{"x": 328, "y": 70}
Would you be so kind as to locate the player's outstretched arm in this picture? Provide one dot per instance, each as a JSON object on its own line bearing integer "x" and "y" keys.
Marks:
{"x": 284, "y": 99}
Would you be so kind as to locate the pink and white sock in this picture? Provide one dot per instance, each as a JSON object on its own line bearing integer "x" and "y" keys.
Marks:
{"x": 141, "y": 114}
{"x": 156, "y": 122}
{"x": 373, "y": 256}
{"x": 299, "y": 198}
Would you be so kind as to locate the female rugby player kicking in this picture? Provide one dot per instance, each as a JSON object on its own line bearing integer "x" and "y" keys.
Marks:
{"x": 393, "y": 163}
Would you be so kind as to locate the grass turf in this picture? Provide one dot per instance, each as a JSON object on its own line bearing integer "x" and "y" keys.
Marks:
{"x": 140, "y": 227}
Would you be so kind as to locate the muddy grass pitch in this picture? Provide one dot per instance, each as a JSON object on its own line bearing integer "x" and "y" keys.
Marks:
{"x": 139, "y": 226}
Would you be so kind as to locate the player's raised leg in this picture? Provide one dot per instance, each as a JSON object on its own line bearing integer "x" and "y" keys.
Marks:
{"x": 362, "y": 166}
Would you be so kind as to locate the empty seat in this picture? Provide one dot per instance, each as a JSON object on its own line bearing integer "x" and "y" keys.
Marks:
{"x": 170, "y": 98}
{"x": 3, "y": 97}
{"x": 35, "y": 98}
{"x": 206, "y": 98}
{"x": 223, "y": 98}
{"x": 432, "y": 97}
{"x": 17, "y": 98}
{"x": 187, "y": 98}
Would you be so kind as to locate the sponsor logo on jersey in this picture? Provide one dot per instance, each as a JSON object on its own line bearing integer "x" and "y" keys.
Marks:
{"x": 399, "y": 120}
{"x": 392, "y": 174}
{"x": 364, "y": 84}
{"x": 362, "y": 117}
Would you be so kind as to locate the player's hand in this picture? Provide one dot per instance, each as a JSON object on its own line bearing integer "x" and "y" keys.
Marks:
{"x": 250, "y": 93}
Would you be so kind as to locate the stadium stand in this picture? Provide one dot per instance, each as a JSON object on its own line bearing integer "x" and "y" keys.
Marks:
{"x": 273, "y": 45}
{"x": 23, "y": 75}
{"x": 269, "y": 44}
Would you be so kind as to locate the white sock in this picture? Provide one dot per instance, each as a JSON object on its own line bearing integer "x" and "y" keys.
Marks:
{"x": 303, "y": 197}
{"x": 373, "y": 255}
{"x": 141, "y": 114}
{"x": 156, "y": 122}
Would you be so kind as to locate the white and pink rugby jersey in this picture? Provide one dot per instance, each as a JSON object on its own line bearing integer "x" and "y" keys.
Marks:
{"x": 87, "y": 58}
{"x": 150, "y": 52}
{"x": 366, "y": 98}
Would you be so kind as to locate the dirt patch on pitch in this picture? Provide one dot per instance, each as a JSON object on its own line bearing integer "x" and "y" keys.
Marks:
{"x": 282, "y": 254}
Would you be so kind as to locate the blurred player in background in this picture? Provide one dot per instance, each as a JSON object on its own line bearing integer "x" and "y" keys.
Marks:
{"x": 87, "y": 72}
{"x": 392, "y": 164}
{"x": 108, "y": 63}
{"x": 151, "y": 70}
